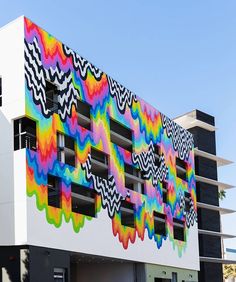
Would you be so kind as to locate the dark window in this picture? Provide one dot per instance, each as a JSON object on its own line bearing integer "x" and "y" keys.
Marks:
{"x": 54, "y": 191}
{"x": 187, "y": 198}
{"x": 51, "y": 92}
{"x": 162, "y": 280}
{"x": 66, "y": 149}
{"x": 84, "y": 114}
{"x": 143, "y": 189}
{"x": 127, "y": 214}
{"x": 121, "y": 135}
{"x": 82, "y": 200}
{"x": 0, "y": 91}
{"x": 99, "y": 163}
{"x": 165, "y": 192}
{"x": 178, "y": 229}
{"x": 157, "y": 154}
{"x": 181, "y": 169}
{"x": 25, "y": 134}
{"x": 174, "y": 277}
{"x": 133, "y": 178}
{"x": 159, "y": 223}
{"x": 60, "y": 275}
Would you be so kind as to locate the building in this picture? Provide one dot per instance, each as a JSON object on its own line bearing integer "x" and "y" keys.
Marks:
{"x": 96, "y": 184}
{"x": 202, "y": 126}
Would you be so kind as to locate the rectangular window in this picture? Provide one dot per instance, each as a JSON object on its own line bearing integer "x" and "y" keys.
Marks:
{"x": 66, "y": 149}
{"x": 133, "y": 178}
{"x": 99, "y": 162}
{"x": 0, "y": 91}
{"x": 127, "y": 214}
{"x": 157, "y": 154}
{"x": 82, "y": 200}
{"x": 165, "y": 192}
{"x": 121, "y": 135}
{"x": 54, "y": 191}
{"x": 59, "y": 275}
{"x": 174, "y": 277}
{"x": 181, "y": 169}
{"x": 159, "y": 223}
{"x": 187, "y": 198}
{"x": 25, "y": 134}
{"x": 84, "y": 114}
{"x": 178, "y": 229}
{"x": 51, "y": 93}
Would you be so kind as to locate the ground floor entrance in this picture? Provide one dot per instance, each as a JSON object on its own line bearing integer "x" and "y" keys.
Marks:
{"x": 37, "y": 264}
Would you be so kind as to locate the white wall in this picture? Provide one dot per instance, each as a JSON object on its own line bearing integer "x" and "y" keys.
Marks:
{"x": 96, "y": 237}
{"x": 12, "y": 73}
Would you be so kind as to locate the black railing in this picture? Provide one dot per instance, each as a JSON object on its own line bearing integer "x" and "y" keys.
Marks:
{"x": 26, "y": 140}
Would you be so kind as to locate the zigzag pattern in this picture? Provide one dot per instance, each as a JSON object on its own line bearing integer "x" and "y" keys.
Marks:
{"x": 82, "y": 65}
{"x": 191, "y": 215}
{"x": 111, "y": 198}
{"x": 182, "y": 139}
{"x": 36, "y": 76}
{"x": 146, "y": 162}
{"x": 124, "y": 97}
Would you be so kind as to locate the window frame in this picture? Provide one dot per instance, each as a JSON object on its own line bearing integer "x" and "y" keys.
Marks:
{"x": 63, "y": 150}
{"x": 83, "y": 195}
{"x": 82, "y": 119}
{"x": 57, "y": 188}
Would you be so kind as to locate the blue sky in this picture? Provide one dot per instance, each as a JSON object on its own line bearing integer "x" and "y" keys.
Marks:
{"x": 177, "y": 55}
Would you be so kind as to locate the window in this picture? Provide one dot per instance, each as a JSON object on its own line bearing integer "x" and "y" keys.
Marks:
{"x": 59, "y": 275}
{"x": 0, "y": 91}
{"x": 157, "y": 154}
{"x": 66, "y": 149}
{"x": 181, "y": 169}
{"x": 164, "y": 192}
{"x": 121, "y": 135}
{"x": 82, "y": 200}
{"x": 133, "y": 179}
{"x": 51, "y": 93}
{"x": 187, "y": 198}
{"x": 174, "y": 277}
{"x": 159, "y": 223}
{"x": 54, "y": 191}
{"x": 84, "y": 118}
{"x": 25, "y": 134}
{"x": 127, "y": 214}
{"x": 99, "y": 162}
{"x": 178, "y": 229}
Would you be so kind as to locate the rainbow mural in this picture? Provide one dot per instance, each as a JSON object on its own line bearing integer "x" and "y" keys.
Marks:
{"x": 47, "y": 59}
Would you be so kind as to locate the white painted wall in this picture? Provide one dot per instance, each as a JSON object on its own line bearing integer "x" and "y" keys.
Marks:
{"x": 96, "y": 237}
{"x": 12, "y": 73}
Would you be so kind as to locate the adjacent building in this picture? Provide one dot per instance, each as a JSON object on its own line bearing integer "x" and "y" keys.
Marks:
{"x": 202, "y": 126}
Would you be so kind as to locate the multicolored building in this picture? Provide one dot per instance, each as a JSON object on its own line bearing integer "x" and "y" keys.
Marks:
{"x": 96, "y": 185}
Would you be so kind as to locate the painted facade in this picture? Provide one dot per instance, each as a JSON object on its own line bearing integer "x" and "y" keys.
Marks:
{"x": 48, "y": 60}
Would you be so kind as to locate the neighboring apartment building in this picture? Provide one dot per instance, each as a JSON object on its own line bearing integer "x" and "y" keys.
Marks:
{"x": 96, "y": 184}
{"x": 202, "y": 126}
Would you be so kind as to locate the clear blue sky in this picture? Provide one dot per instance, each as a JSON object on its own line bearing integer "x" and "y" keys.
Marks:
{"x": 177, "y": 55}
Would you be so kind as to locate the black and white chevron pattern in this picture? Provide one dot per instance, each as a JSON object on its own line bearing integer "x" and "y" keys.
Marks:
{"x": 191, "y": 215}
{"x": 124, "y": 97}
{"x": 36, "y": 76}
{"x": 82, "y": 65}
{"x": 111, "y": 198}
{"x": 146, "y": 163}
{"x": 182, "y": 139}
